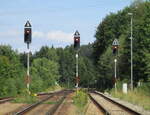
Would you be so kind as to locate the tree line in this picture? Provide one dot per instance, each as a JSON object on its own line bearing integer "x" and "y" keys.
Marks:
{"x": 48, "y": 66}
{"x": 117, "y": 26}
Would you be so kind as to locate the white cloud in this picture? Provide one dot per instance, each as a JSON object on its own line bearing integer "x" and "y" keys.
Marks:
{"x": 57, "y": 36}
{"x": 11, "y": 37}
{"x": 15, "y": 38}
{"x": 37, "y": 34}
{"x": 10, "y": 33}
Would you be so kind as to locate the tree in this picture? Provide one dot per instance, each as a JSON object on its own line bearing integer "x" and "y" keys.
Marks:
{"x": 11, "y": 72}
{"x": 49, "y": 53}
{"x": 44, "y": 73}
{"x": 67, "y": 65}
{"x": 118, "y": 26}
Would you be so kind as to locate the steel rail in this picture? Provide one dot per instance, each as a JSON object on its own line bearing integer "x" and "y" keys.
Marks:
{"x": 118, "y": 104}
{"x": 55, "y": 108}
{"x": 5, "y": 99}
{"x": 32, "y": 106}
{"x": 100, "y": 107}
{"x": 27, "y": 109}
{"x": 2, "y": 98}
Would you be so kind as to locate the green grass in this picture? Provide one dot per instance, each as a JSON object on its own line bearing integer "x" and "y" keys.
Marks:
{"x": 80, "y": 100}
{"x": 53, "y": 88}
{"x": 137, "y": 97}
{"x": 52, "y": 102}
{"x": 25, "y": 97}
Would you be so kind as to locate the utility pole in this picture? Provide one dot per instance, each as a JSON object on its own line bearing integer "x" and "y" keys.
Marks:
{"x": 131, "y": 37}
{"x": 76, "y": 47}
{"x": 27, "y": 39}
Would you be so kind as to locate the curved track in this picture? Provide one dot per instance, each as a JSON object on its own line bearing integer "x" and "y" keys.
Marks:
{"x": 109, "y": 106}
{"x": 47, "y": 109}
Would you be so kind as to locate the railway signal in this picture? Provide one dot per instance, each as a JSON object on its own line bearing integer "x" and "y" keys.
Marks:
{"x": 76, "y": 47}
{"x": 27, "y": 33}
{"x": 115, "y": 50}
{"x": 27, "y": 40}
{"x": 115, "y": 46}
{"x": 77, "y": 40}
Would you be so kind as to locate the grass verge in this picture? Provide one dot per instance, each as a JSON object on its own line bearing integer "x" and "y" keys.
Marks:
{"x": 25, "y": 97}
{"x": 136, "y": 97}
{"x": 80, "y": 100}
{"x": 53, "y": 88}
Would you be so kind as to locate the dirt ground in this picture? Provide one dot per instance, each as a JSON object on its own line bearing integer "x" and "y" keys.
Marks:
{"x": 92, "y": 109}
{"x": 43, "y": 108}
{"x": 66, "y": 108}
{"x": 8, "y": 107}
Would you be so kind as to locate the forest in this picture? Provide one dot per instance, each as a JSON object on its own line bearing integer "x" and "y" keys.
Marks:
{"x": 50, "y": 66}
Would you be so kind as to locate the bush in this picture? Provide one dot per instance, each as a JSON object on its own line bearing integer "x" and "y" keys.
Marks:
{"x": 25, "y": 97}
{"x": 144, "y": 89}
{"x": 80, "y": 99}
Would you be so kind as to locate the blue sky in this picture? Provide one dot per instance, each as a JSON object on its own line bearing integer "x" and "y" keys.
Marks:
{"x": 53, "y": 21}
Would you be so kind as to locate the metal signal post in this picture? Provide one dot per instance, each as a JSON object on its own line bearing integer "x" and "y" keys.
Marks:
{"x": 76, "y": 47}
{"x": 115, "y": 60}
{"x": 77, "y": 72}
{"x": 28, "y": 66}
{"x": 27, "y": 39}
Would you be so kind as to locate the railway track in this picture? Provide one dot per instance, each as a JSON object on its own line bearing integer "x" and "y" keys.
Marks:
{"x": 101, "y": 108}
{"x": 49, "y": 109}
{"x": 109, "y": 106}
{"x": 5, "y": 99}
